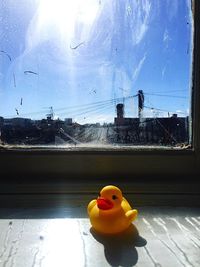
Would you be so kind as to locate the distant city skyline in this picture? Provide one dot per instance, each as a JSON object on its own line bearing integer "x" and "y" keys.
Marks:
{"x": 83, "y": 57}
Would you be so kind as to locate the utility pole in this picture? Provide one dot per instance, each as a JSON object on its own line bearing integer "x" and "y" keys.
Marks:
{"x": 140, "y": 103}
{"x": 50, "y": 115}
{"x": 140, "y": 114}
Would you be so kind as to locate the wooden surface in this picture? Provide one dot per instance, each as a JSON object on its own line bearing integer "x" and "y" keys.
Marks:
{"x": 159, "y": 237}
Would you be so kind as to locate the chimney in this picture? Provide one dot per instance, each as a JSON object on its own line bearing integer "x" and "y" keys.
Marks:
{"x": 120, "y": 111}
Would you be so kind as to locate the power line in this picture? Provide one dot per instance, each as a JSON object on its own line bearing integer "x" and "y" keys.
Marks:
{"x": 81, "y": 108}
{"x": 88, "y": 110}
{"x": 96, "y": 103}
{"x": 164, "y": 110}
{"x": 174, "y": 96}
{"x": 170, "y": 91}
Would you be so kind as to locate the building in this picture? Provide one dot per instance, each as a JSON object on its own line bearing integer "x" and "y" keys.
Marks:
{"x": 164, "y": 131}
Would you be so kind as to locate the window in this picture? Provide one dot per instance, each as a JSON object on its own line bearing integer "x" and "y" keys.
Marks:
{"x": 96, "y": 73}
{"x": 92, "y": 163}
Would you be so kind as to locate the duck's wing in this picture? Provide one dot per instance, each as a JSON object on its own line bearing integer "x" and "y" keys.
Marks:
{"x": 91, "y": 205}
{"x": 125, "y": 205}
{"x": 131, "y": 214}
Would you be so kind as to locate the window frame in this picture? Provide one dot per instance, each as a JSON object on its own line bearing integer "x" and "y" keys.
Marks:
{"x": 24, "y": 165}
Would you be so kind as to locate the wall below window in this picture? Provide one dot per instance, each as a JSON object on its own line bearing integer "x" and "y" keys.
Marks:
{"x": 57, "y": 194}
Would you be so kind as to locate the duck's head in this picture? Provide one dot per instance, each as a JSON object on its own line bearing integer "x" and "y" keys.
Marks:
{"x": 110, "y": 198}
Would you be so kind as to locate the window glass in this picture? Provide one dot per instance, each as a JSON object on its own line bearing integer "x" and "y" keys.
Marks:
{"x": 95, "y": 72}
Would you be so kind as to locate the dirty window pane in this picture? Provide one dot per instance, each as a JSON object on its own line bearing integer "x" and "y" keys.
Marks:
{"x": 95, "y": 72}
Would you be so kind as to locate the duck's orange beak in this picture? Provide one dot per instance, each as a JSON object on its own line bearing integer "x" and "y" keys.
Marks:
{"x": 104, "y": 203}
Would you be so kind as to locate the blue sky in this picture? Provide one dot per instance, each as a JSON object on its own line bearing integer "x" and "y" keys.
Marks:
{"x": 83, "y": 52}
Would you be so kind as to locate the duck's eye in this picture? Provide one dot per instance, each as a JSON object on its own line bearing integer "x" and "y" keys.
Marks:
{"x": 114, "y": 197}
{"x": 99, "y": 195}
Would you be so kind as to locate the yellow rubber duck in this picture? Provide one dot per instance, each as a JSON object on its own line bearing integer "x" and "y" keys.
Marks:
{"x": 110, "y": 213}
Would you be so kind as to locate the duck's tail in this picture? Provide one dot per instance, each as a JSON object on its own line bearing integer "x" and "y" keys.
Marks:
{"x": 132, "y": 214}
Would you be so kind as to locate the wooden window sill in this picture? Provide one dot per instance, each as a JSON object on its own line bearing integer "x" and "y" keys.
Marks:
{"x": 58, "y": 237}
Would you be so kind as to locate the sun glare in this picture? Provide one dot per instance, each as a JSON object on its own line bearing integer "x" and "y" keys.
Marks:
{"x": 65, "y": 14}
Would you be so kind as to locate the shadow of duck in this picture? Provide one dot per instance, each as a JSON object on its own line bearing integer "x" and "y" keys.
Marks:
{"x": 120, "y": 248}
